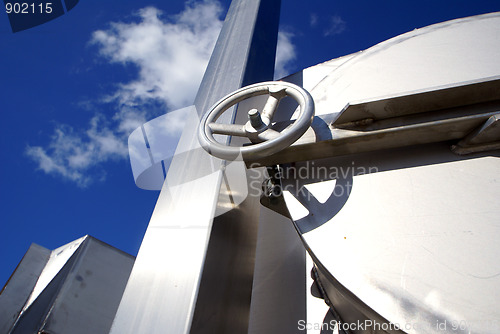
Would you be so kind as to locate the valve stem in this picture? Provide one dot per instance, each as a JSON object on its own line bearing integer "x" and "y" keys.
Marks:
{"x": 255, "y": 119}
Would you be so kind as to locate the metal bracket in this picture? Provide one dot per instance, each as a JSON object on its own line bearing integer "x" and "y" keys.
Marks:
{"x": 272, "y": 193}
{"x": 330, "y": 137}
{"x": 484, "y": 138}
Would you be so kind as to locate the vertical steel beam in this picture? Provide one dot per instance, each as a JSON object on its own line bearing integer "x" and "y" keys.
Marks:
{"x": 163, "y": 289}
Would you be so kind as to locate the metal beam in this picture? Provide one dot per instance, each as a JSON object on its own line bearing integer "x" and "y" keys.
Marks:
{"x": 178, "y": 248}
{"x": 394, "y": 122}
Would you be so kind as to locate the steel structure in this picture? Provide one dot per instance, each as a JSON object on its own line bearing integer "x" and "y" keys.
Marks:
{"x": 75, "y": 288}
{"x": 392, "y": 190}
{"x": 382, "y": 165}
{"x": 193, "y": 272}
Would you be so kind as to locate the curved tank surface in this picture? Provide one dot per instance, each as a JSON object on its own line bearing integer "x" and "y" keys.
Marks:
{"x": 405, "y": 235}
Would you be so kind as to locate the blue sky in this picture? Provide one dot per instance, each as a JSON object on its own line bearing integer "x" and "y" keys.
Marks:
{"x": 74, "y": 88}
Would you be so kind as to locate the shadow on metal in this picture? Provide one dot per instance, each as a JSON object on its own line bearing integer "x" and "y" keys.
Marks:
{"x": 298, "y": 177}
{"x": 326, "y": 210}
{"x": 347, "y": 169}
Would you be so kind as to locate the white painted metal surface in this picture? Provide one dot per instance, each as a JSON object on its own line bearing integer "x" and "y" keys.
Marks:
{"x": 441, "y": 55}
{"x": 408, "y": 236}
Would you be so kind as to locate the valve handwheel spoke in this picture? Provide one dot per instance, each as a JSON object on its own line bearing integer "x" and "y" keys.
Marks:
{"x": 265, "y": 140}
{"x": 228, "y": 129}
{"x": 275, "y": 95}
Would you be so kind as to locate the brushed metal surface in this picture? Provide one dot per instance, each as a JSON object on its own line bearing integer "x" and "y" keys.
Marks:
{"x": 162, "y": 291}
{"x": 75, "y": 288}
{"x": 18, "y": 288}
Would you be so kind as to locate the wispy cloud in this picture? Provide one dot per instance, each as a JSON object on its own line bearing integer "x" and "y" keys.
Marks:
{"x": 313, "y": 19}
{"x": 170, "y": 54}
{"x": 71, "y": 154}
{"x": 336, "y": 26}
{"x": 285, "y": 54}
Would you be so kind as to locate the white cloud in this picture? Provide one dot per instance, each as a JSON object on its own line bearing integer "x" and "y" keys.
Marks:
{"x": 336, "y": 26}
{"x": 170, "y": 55}
{"x": 313, "y": 19}
{"x": 285, "y": 54}
{"x": 71, "y": 155}
{"x": 331, "y": 25}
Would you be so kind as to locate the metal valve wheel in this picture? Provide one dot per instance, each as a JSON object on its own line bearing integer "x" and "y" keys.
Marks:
{"x": 259, "y": 128}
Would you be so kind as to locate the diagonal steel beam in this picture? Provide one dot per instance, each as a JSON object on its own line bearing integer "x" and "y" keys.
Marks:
{"x": 163, "y": 288}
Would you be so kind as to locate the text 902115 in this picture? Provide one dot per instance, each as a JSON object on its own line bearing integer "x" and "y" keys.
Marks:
{"x": 25, "y": 14}
{"x": 28, "y": 8}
